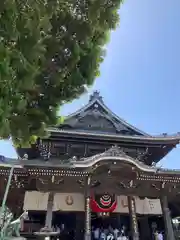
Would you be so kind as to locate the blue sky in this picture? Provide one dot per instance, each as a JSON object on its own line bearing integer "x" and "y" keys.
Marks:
{"x": 140, "y": 77}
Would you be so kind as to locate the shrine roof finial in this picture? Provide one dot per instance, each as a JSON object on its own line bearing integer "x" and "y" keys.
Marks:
{"x": 95, "y": 96}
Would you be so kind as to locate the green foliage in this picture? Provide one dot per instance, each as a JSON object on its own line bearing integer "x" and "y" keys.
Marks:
{"x": 60, "y": 120}
{"x": 25, "y": 144}
{"x": 49, "y": 50}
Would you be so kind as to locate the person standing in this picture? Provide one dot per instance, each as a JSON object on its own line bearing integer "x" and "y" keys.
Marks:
{"x": 96, "y": 233}
{"x": 110, "y": 236}
{"x": 116, "y": 231}
{"x": 160, "y": 236}
{"x": 102, "y": 235}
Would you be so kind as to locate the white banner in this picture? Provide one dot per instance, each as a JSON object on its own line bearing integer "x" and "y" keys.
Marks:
{"x": 145, "y": 206}
{"x": 37, "y": 201}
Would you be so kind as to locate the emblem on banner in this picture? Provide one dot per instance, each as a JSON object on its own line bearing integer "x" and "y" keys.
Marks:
{"x": 69, "y": 200}
{"x": 103, "y": 202}
{"x": 151, "y": 204}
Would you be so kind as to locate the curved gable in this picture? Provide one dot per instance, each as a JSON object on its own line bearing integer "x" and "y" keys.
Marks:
{"x": 95, "y": 116}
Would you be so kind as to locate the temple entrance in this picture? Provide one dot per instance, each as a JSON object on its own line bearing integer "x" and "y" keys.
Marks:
{"x": 65, "y": 219}
{"x": 110, "y": 223}
{"x": 66, "y": 223}
{"x": 73, "y": 223}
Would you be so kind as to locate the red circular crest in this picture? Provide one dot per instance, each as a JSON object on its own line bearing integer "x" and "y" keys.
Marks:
{"x": 103, "y": 203}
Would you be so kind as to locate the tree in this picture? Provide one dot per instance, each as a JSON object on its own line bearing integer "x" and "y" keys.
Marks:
{"x": 49, "y": 50}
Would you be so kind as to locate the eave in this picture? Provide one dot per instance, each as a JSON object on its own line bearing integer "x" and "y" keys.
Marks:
{"x": 126, "y": 176}
{"x": 114, "y": 156}
{"x": 161, "y": 140}
{"x": 157, "y": 146}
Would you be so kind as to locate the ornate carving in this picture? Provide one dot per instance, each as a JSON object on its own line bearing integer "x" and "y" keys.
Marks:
{"x": 95, "y": 96}
{"x": 45, "y": 150}
{"x": 114, "y": 151}
{"x": 142, "y": 155}
{"x": 116, "y": 155}
{"x": 25, "y": 157}
{"x": 51, "y": 181}
{"x": 128, "y": 184}
{"x": 94, "y": 183}
{"x": 50, "y": 184}
{"x": 155, "y": 186}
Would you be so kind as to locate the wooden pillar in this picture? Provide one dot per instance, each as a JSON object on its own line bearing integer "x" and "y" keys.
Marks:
{"x": 169, "y": 232}
{"x": 49, "y": 213}
{"x": 87, "y": 235}
{"x": 133, "y": 218}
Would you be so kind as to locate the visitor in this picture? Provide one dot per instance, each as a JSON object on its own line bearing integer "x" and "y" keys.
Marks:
{"x": 111, "y": 230}
{"x": 156, "y": 235}
{"x": 58, "y": 229}
{"x": 62, "y": 227}
{"x": 106, "y": 230}
{"x": 110, "y": 236}
{"x": 123, "y": 229}
{"x": 102, "y": 235}
{"x": 96, "y": 233}
{"x": 116, "y": 231}
{"x": 160, "y": 236}
{"x": 119, "y": 236}
{"x": 124, "y": 238}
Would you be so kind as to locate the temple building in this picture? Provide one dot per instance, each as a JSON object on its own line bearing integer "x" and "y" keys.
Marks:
{"x": 95, "y": 169}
